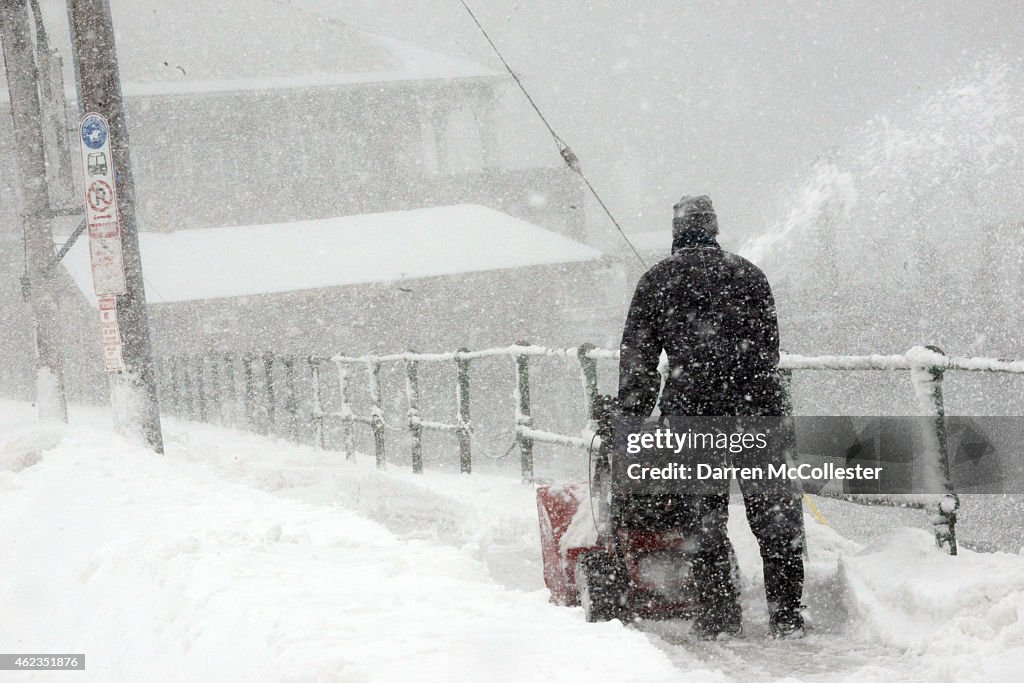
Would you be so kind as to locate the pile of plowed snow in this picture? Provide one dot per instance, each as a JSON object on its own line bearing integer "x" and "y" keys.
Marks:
{"x": 158, "y": 568}
{"x": 964, "y": 615}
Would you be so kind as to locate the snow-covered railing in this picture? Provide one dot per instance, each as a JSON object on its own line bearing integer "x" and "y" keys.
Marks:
{"x": 194, "y": 384}
{"x": 926, "y": 366}
{"x": 207, "y": 387}
{"x": 525, "y": 434}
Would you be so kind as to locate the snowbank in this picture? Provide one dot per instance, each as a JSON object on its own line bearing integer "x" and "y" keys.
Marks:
{"x": 236, "y": 557}
{"x": 964, "y": 615}
{"x": 159, "y": 569}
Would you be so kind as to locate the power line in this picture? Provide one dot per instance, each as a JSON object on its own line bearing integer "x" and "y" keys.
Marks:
{"x": 571, "y": 160}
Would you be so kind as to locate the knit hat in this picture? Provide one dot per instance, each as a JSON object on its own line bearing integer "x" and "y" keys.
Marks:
{"x": 694, "y": 212}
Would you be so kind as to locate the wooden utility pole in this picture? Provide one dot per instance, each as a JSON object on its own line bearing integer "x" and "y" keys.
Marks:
{"x": 134, "y": 394}
{"x": 54, "y": 107}
{"x": 22, "y": 83}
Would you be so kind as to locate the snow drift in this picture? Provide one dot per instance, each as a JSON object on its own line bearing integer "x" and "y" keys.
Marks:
{"x": 236, "y": 557}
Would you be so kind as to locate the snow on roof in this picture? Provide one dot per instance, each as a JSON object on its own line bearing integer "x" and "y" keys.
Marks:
{"x": 404, "y": 62}
{"x": 213, "y": 263}
{"x": 165, "y": 48}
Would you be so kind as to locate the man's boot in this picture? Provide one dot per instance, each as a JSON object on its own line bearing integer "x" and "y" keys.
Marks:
{"x": 787, "y": 622}
{"x": 717, "y": 620}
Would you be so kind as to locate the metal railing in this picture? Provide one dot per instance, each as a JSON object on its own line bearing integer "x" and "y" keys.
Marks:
{"x": 192, "y": 384}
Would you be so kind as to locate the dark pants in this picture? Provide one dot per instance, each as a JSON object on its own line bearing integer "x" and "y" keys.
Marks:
{"x": 775, "y": 515}
{"x": 777, "y": 521}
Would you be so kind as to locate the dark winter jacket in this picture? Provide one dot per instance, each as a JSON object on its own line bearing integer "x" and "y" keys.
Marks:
{"x": 714, "y": 315}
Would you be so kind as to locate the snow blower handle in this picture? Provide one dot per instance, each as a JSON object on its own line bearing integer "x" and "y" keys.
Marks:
{"x": 605, "y": 412}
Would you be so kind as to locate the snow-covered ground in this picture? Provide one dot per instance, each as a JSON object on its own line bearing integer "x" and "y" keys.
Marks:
{"x": 237, "y": 557}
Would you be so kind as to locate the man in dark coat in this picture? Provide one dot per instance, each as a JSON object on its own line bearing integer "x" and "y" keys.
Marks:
{"x": 713, "y": 315}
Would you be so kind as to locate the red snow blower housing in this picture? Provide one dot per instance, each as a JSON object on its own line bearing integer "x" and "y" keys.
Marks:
{"x": 619, "y": 557}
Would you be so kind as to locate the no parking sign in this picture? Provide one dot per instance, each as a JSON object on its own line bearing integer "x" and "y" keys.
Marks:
{"x": 101, "y": 208}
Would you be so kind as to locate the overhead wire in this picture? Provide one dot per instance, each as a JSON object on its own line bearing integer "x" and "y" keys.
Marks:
{"x": 570, "y": 158}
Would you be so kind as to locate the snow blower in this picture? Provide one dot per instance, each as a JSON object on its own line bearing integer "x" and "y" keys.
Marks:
{"x": 617, "y": 556}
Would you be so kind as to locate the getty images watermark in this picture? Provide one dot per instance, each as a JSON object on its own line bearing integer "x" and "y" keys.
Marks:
{"x": 700, "y": 443}
{"x": 841, "y": 455}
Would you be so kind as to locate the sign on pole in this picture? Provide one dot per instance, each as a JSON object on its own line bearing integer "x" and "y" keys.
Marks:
{"x": 133, "y": 392}
{"x": 101, "y": 208}
{"x": 113, "y": 359}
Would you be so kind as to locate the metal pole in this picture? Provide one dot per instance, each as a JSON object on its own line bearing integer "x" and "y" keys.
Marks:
{"x": 99, "y": 90}
{"x": 348, "y": 443}
{"x": 174, "y": 398}
{"x": 22, "y": 83}
{"x": 51, "y": 91}
{"x": 786, "y": 387}
{"x": 376, "y": 412}
{"x": 588, "y": 375}
{"x": 291, "y": 404}
{"x": 200, "y": 382}
{"x": 230, "y": 397}
{"x": 250, "y": 392}
{"x": 189, "y": 390}
{"x": 412, "y": 392}
{"x": 162, "y": 381}
{"x": 787, "y": 422}
{"x": 462, "y": 418}
{"x": 271, "y": 392}
{"x": 317, "y": 409}
{"x": 523, "y": 419}
{"x": 927, "y": 381}
{"x": 214, "y": 393}
{"x": 788, "y": 425}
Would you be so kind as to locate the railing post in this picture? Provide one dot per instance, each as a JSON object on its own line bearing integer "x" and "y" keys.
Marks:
{"x": 214, "y": 392}
{"x": 788, "y": 423}
{"x": 250, "y": 391}
{"x": 189, "y": 391}
{"x": 200, "y": 388}
{"x": 462, "y": 418}
{"x": 412, "y": 393}
{"x": 291, "y": 404}
{"x": 174, "y": 398}
{"x": 317, "y": 406}
{"x": 230, "y": 397}
{"x": 786, "y": 387}
{"x": 348, "y": 445}
{"x": 927, "y": 379}
{"x": 159, "y": 379}
{"x": 588, "y": 372}
{"x": 523, "y": 419}
{"x": 271, "y": 394}
{"x": 376, "y": 411}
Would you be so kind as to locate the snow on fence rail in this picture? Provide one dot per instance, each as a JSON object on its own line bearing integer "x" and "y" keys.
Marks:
{"x": 192, "y": 383}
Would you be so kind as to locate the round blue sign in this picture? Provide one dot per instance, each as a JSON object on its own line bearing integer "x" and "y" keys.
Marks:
{"x": 94, "y": 131}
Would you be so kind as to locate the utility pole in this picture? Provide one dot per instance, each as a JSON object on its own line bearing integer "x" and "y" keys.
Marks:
{"x": 54, "y": 107}
{"x": 134, "y": 394}
{"x": 22, "y": 83}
